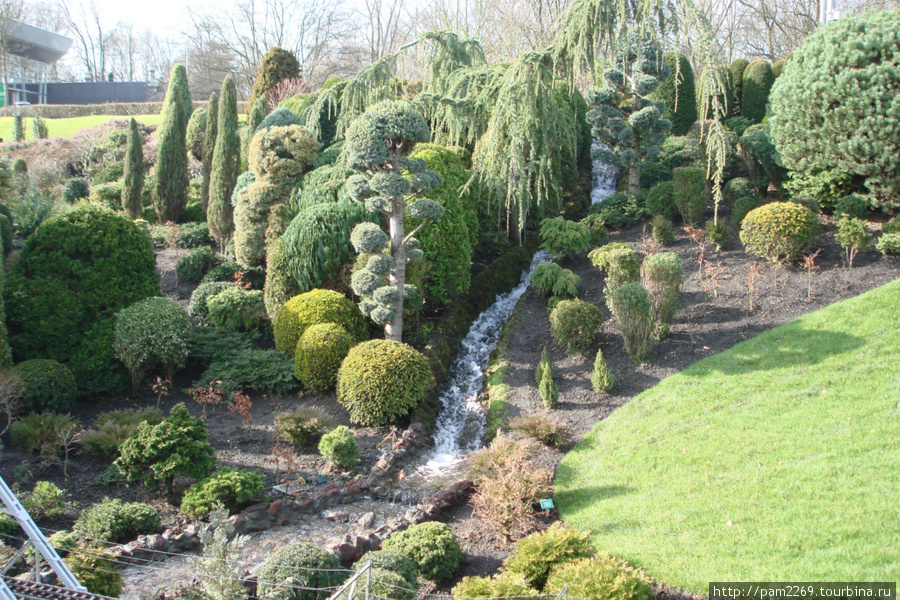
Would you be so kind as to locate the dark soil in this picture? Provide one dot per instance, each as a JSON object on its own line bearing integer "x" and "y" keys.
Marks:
{"x": 715, "y": 315}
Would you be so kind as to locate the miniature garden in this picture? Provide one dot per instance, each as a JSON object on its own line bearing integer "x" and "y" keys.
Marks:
{"x": 579, "y": 323}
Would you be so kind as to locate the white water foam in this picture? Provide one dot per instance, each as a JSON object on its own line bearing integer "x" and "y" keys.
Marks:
{"x": 604, "y": 176}
{"x": 460, "y": 424}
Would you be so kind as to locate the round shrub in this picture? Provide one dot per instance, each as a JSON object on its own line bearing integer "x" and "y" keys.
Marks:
{"x": 316, "y": 306}
{"x": 652, "y": 174}
{"x": 75, "y": 189}
{"x": 282, "y": 152}
{"x": 46, "y": 385}
{"x": 382, "y": 583}
{"x": 74, "y": 273}
{"x": 536, "y": 555}
{"x": 110, "y": 173}
{"x": 280, "y": 117}
{"x": 196, "y": 263}
{"x": 116, "y": 522}
{"x": 198, "y": 309}
{"x": 888, "y": 243}
{"x": 599, "y": 257}
{"x": 96, "y": 569}
{"x": 739, "y": 187}
{"x": 237, "y": 309}
{"x": 505, "y": 585}
{"x": 829, "y": 109}
{"x": 298, "y": 566}
{"x": 779, "y": 231}
{"x": 392, "y": 561}
{"x": 319, "y": 354}
{"x": 758, "y": 80}
{"x": 152, "y": 332}
{"x": 604, "y": 577}
{"x": 303, "y": 427}
{"x": 892, "y": 226}
{"x": 381, "y": 381}
{"x": 852, "y": 205}
{"x": 339, "y": 448}
{"x": 431, "y": 546}
{"x": 231, "y": 487}
{"x": 574, "y": 324}
{"x": 742, "y": 206}
{"x": 660, "y": 200}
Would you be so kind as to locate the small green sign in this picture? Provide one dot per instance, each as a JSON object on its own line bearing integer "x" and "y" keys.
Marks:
{"x": 547, "y": 504}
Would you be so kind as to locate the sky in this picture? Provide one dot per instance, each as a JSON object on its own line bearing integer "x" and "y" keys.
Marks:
{"x": 164, "y": 17}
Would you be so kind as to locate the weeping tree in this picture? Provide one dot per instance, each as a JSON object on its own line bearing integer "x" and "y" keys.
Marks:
{"x": 133, "y": 183}
{"x": 209, "y": 145}
{"x": 622, "y": 114}
{"x": 390, "y": 183}
{"x": 225, "y": 164}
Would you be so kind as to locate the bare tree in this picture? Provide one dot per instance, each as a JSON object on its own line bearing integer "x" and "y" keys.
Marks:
{"x": 92, "y": 36}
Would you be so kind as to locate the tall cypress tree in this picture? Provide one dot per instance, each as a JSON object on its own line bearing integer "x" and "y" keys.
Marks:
{"x": 226, "y": 157}
{"x": 209, "y": 145}
{"x": 171, "y": 189}
{"x": 178, "y": 86}
{"x": 134, "y": 172}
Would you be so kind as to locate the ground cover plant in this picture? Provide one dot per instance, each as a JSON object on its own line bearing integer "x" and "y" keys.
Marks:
{"x": 728, "y": 459}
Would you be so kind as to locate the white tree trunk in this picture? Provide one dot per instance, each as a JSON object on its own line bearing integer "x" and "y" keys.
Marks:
{"x": 394, "y": 329}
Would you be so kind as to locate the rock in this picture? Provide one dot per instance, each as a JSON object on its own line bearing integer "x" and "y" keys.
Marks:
{"x": 336, "y": 516}
{"x": 381, "y": 492}
{"x": 275, "y": 507}
{"x": 345, "y": 552}
{"x": 367, "y": 521}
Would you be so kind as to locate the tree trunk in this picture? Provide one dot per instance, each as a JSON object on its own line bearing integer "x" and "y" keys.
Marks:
{"x": 394, "y": 330}
{"x": 634, "y": 179}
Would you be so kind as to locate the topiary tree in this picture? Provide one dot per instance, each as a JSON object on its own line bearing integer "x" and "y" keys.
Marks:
{"x": 6, "y": 360}
{"x": 280, "y": 117}
{"x": 431, "y": 546}
{"x": 39, "y": 130}
{"x": 46, "y": 385}
{"x": 339, "y": 448}
{"x": 196, "y": 133}
{"x": 574, "y": 324}
{"x": 381, "y": 381}
{"x": 73, "y": 274}
{"x": 319, "y": 354}
{"x": 678, "y": 92}
{"x": 758, "y": 80}
{"x": 151, "y": 332}
{"x": 779, "y": 231}
{"x": 19, "y": 127}
{"x": 299, "y": 572}
{"x": 171, "y": 177}
{"x": 224, "y": 168}
{"x": 209, "y": 146}
{"x": 737, "y": 67}
{"x": 75, "y": 189}
{"x": 634, "y": 130}
{"x": 828, "y": 110}
{"x": 179, "y": 445}
{"x": 661, "y": 277}
{"x": 311, "y": 308}
{"x": 133, "y": 184}
{"x": 390, "y": 183}
{"x": 278, "y": 64}
{"x": 255, "y": 115}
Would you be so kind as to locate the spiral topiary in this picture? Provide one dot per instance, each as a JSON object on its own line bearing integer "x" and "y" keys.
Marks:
{"x": 319, "y": 354}
{"x": 381, "y": 381}
{"x": 316, "y": 306}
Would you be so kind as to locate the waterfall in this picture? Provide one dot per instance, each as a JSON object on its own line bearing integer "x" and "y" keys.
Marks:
{"x": 604, "y": 176}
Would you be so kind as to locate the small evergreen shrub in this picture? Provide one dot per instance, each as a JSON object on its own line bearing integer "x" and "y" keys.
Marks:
{"x": 198, "y": 309}
{"x": 660, "y": 200}
{"x": 742, "y": 206}
{"x": 381, "y": 583}
{"x": 320, "y": 352}
{"x": 249, "y": 369}
{"x": 196, "y": 263}
{"x": 661, "y": 277}
{"x": 630, "y": 305}
{"x": 45, "y": 500}
{"x": 738, "y": 187}
{"x": 537, "y": 555}
{"x": 107, "y": 194}
{"x": 892, "y": 226}
{"x": 303, "y": 427}
{"x": 110, "y": 430}
{"x": 392, "y": 561}
{"x": 75, "y": 189}
{"x": 339, "y": 448}
{"x": 852, "y": 205}
{"x": 191, "y": 235}
{"x": 888, "y": 243}
{"x": 116, "y": 522}
{"x": 280, "y": 117}
{"x": 662, "y": 230}
{"x": 574, "y": 324}
{"x": 547, "y": 388}
{"x": 602, "y": 380}
{"x": 112, "y": 172}
{"x": 853, "y": 237}
{"x": 563, "y": 238}
{"x": 237, "y": 309}
{"x": 543, "y": 364}
{"x": 601, "y": 577}
{"x": 504, "y": 585}
{"x": 316, "y": 306}
{"x": 599, "y": 233}
{"x": 652, "y": 174}
{"x": 41, "y": 433}
{"x": 543, "y": 429}
{"x": 381, "y": 381}
{"x": 299, "y": 572}
{"x": 779, "y": 231}
{"x": 431, "y": 546}
{"x": 619, "y": 210}
{"x": 624, "y": 267}
{"x": 96, "y": 569}
{"x": 229, "y": 487}
{"x": 717, "y": 234}
{"x": 550, "y": 278}
{"x": 152, "y": 332}
{"x": 690, "y": 193}
{"x": 680, "y": 151}
{"x": 599, "y": 257}
{"x": 45, "y": 385}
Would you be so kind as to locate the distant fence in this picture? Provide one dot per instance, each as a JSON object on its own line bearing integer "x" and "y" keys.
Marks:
{"x": 65, "y": 111}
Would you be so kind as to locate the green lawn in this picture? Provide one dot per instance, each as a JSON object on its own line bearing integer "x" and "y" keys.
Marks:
{"x": 69, "y": 127}
{"x": 778, "y": 460}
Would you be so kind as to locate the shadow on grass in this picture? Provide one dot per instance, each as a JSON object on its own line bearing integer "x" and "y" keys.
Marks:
{"x": 587, "y": 494}
{"x": 789, "y": 346}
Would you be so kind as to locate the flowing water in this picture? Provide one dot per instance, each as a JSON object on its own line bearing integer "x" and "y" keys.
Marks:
{"x": 604, "y": 176}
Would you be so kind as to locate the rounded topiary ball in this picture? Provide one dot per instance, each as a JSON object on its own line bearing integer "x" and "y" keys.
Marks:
{"x": 286, "y": 572}
{"x": 605, "y": 577}
{"x": 391, "y": 561}
{"x": 151, "y": 332}
{"x": 46, "y": 385}
{"x": 574, "y": 324}
{"x": 381, "y": 381}
{"x": 319, "y": 354}
{"x": 779, "y": 230}
{"x": 431, "y": 546}
{"x": 316, "y": 306}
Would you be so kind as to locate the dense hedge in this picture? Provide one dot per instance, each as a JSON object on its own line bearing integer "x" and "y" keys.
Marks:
{"x": 381, "y": 381}
{"x": 316, "y": 306}
{"x": 679, "y": 93}
{"x": 74, "y": 273}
